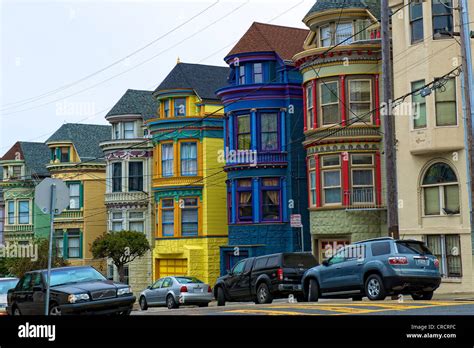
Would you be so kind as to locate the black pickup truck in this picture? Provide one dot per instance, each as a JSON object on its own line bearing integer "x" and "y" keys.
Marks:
{"x": 263, "y": 278}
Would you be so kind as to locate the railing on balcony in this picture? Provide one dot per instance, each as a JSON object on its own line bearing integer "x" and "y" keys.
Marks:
{"x": 177, "y": 180}
{"x": 125, "y": 196}
{"x": 70, "y": 215}
{"x": 252, "y": 158}
{"x": 18, "y": 228}
{"x": 363, "y": 199}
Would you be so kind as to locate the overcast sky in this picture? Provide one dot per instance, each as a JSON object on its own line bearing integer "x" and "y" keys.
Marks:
{"x": 49, "y": 49}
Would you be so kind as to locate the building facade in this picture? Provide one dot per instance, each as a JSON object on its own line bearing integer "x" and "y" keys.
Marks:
{"x": 430, "y": 131}
{"x": 188, "y": 180}
{"x": 340, "y": 65}
{"x": 129, "y": 174}
{"x": 23, "y": 167}
{"x": 264, "y": 160}
{"x": 76, "y": 158}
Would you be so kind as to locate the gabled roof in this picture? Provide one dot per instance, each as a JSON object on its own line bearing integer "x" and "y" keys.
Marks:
{"x": 85, "y": 137}
{"x": 135, "y": 102}
{"x": 323, "y": 5}
{"x": 35, "y": 155}
{"x": 260, "y": 37}
{"x": 203, "y": 79}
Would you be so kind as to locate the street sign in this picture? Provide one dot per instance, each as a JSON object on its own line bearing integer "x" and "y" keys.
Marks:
{"x": 295, "y": 220}
{"x": 43, "y": 196}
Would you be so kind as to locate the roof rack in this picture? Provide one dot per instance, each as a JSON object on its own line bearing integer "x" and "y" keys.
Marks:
{"x": 373, "y": 240}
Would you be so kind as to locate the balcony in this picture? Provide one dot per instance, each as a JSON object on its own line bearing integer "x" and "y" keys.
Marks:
{"x": 435, "y": 140}
{"x": 18, "y": 228}
{"x": 124, "y": 197}
{"x": 250, "y": 158}
{"x": 363, "y": 199}
{"x": 70, "y": 215}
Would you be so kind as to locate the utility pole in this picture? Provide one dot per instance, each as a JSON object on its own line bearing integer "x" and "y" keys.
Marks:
{"x": 389, "y": 124}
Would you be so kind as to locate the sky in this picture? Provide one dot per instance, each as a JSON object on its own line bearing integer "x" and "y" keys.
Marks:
{"x": 71, "y": 61}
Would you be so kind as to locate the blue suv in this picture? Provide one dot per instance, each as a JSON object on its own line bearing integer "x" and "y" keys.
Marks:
{"x": 375, "y": 268}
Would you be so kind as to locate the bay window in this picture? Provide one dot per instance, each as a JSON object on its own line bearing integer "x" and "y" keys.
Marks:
{"x": 270, "y": 199}
{"x": 189, "y": 217}
{"x": 180, "y": 106}
{"x": 11, "y": 212}
{"x": 269, "y": 131}
{"x": 189, "y": 159}
{"x": 167, "y": 217}
{"x": 74, "y": 196}
{"x": 129, "y": 130}
{"x": 74, "y": 243}
{"x": 312, "y": 181}
{"x": 64, "y": 154}
{"x": 117, "y": 221}
{"x": 23, "y": 212}
{"x": 440, "y": 191}
{"x": 360, "y": 100}
{"x": 117, "y": 177}
{"x": 329, "y": 101}
{"x": 447, "y": 248}
{"x": 445, "y": 98}
{"x": 16, "y": 172}
{"x": 419, "y": 105}
{"x": 416, "y": 21}
{"x": 166, "y": 108}
{"x": 135, "y": 221}
{"x": 325, "y": 35}
{"x": 309, "y": 106}
{"x": 135, "y": 176}
{"x": 241, "y": 74}
{"x": 362, "y": 173}
{"x": 243, "y": 132}
{"x": 258, "y": 73}
{"x": 331, "y": 178}
{"x": 167, "y": 160}
{"x": 344, "y": 33}
{"x": 442, "y": 16}
{"x": 244, "y": 200}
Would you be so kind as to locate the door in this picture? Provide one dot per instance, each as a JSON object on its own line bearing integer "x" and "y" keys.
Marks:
{"x": 171, "y": 267}
{"x": 23, "y": 294}
{"x": 331, "y": 272}
{"x": 38, "y": 295}
{"x": 235, "y": 281}
{"x": 163, "y": 291}
{"x": 152, "y": 294}
{"x": 353, "y": 266}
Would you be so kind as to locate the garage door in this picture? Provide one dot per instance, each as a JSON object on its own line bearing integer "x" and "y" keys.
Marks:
{"x": 171, "y": 267}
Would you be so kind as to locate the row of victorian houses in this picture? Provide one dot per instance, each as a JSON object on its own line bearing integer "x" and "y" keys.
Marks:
{"x": 212, "y": 165}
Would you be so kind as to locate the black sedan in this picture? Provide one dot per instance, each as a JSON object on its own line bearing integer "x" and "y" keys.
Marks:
{"x": 74, "y": 290}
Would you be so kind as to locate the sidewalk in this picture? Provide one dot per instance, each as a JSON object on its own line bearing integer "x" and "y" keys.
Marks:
{"x": 458, "y": 296}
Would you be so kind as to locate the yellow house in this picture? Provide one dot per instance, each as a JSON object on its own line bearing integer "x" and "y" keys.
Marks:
{"x": 76, "y": 158}
{"x": 188, "y": 178}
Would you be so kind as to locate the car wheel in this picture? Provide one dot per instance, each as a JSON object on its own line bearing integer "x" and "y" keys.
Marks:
{"x": 220, "y": 297}
{"x": 54, "y": 309}
{"x": 374, "y": 288}
{"x": 313, "y": 291}
{"x": 143, "y": 303}
{"x": 420, "y": 296}
{"x": 171, "y": 303}
{"x": 204, "y": 305}
{"x": 16, "y": 311}
{"x": 263, "y": 294}
{"x": 357, "y": 298}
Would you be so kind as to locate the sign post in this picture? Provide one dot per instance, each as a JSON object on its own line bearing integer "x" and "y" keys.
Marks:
{"x": 51, "y": 196}
{"x": 295, "y": 221}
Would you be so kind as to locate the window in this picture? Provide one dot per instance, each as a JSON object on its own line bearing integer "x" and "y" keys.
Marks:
{"x": 447, "y": 248}
{"x": 269, "y": 131}
{"x": 117, "y": 177}
{"x": 338, "y": 257}
{"x": 344, "y": 33}
{"x": 129, "y": 130}
{"x": 244, "y": 200}
{"x": 25, "y": 283}
{"x": 116, "y": 130}
{"x": 242, "y": 75}
{"x": 166, "y": 108}
{"x": 419, "y": 105}
{"x": 74, "y": 244}
{"x": 59, "y": 243}
{"x": 442, "y": 16}
{"x": 239, "y": 268}
{"x": 445, "y": 97}
{"x": 64, "y": 154}
{"x": 135, "y": 221}
{"x": 325, "y": 34}
{"x": 257, "y": 73}
{"x": 243, "y": 132}
{"x": 270, "y": 199}
{"x": 117, "y": 223}
{"x": 416, "y": 21}
{"x": 167, "y": 217}
{"x": 135, "y": 176}
{"x": 189, "y": 217}
{"x": 330, "y": 102}
{"x": 440, "y": 191}
{"x": 16, "y": 172}
{"x": 24, "y": 212}
{"x": 11, "y": 212}
{"x": 309, "y": 106}
{"x": 331, "y": 174}
{"x": 380, "y": 248}
{"x": 167, "y": 160}
{"x": 362, "y": 179}
{"x": 74, "y": 196}
{"x": 360, "y": 100}
{"x": 312, "y": 181}
{"x": 180, "y": 107}
{"x": 189, "y": 159}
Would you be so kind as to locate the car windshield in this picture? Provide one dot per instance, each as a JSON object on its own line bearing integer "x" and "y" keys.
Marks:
{"x": 406, "y": 247}
{"x": 299, "y": 260}
{"x": 188, "y": 280}
{"x": 74, "y": 275}
{"x": 6, "y": 285}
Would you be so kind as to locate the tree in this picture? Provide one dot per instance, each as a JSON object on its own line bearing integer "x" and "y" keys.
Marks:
{"x": 122, "y": 247}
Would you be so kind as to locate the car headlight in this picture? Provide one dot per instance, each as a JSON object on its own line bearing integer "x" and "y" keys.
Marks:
{"x": 77, "y": 297}
{"x": 124, "y": 291}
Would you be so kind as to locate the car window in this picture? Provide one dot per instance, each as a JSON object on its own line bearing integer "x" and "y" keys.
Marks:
{"x": 26, "y": 283}
{"x": 167, "y": 283}
{"x": 188, "y": 280}
{"x": 37, "y": 281}
{"x": 238, "y": 268}
{"x": 273, "y": 262}
{"x": 354, "y": 252}
{"x": 248, "y": 265}
{"x": 338, "y": 258}
{"x": 380, "y": 248}
{"x": 260, "y": 263}
{"x": 158, "y": 284}
{"x": 406, "y": 247}
{"x": 299, "y": 260}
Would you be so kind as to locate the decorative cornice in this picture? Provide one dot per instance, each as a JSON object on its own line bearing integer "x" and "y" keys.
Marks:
{"x": 128, "y": 154}
{"x": 343, "y": 147}
{"x": 176, "y": 194}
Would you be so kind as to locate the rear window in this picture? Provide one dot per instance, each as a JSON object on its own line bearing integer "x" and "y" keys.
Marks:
{"x": 188, "y": 280}
{"x": 405, "y": 247}
{"x": 260, "y": 263}
{"x": 381, "y": 248}
{"x": 299, "y": 260}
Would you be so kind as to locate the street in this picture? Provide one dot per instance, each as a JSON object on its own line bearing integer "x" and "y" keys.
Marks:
{"x": 327, "y": 307}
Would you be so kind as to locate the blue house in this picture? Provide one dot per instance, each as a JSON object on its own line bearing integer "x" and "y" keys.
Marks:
{"x": 264, "y": 156}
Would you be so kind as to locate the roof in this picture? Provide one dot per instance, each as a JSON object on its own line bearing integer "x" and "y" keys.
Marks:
{"x": 203, "y": 79}
{"x": 323, "y": 5}
{"x": 35, "y": 155}
{"x": 135, "y": 102}
{"x": 85, "y": 137}
{"x": 261, "y": 37}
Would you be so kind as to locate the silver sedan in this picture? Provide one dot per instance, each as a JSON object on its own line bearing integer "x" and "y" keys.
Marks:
{"x": 175, "y": 291}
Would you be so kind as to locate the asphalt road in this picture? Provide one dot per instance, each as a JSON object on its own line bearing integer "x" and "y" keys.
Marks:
{"x": 327, "y": 307}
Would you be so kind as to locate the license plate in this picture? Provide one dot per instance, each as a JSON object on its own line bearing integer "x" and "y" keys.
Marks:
{"x": 198, "y": 289}
{"x": 422, "y": 262}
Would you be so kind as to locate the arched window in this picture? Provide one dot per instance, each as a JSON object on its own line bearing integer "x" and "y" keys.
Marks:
{"x": 440, "y": 190}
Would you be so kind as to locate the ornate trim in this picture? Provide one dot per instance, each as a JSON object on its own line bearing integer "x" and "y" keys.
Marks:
{"x": 128, "y": 154}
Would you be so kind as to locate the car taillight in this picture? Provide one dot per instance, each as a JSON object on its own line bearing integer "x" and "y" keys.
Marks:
{"x": 436, "y": 263}
{"x": 280, "y": 274}
{"x": 209, "y": 289}
{"x": 183, "y": 289}
{"x": 399, "y": 260}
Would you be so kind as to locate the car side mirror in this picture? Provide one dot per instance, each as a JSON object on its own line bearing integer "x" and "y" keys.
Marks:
{"x": 326, "y": 263}
{"x": 228, "y": 271}
{"x": 148, "y": 287}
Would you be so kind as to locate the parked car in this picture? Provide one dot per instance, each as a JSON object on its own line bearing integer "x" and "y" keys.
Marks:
{"x": 175, "y": 291}
{"x": 74, "y": 290}
{"x": 263, "y": 278}
{"x": 5, "y": 285}
{"x": 375, "y": 268}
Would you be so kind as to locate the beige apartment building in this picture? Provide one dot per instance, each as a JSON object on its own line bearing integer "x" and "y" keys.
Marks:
{"x": 432, "y": 171}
